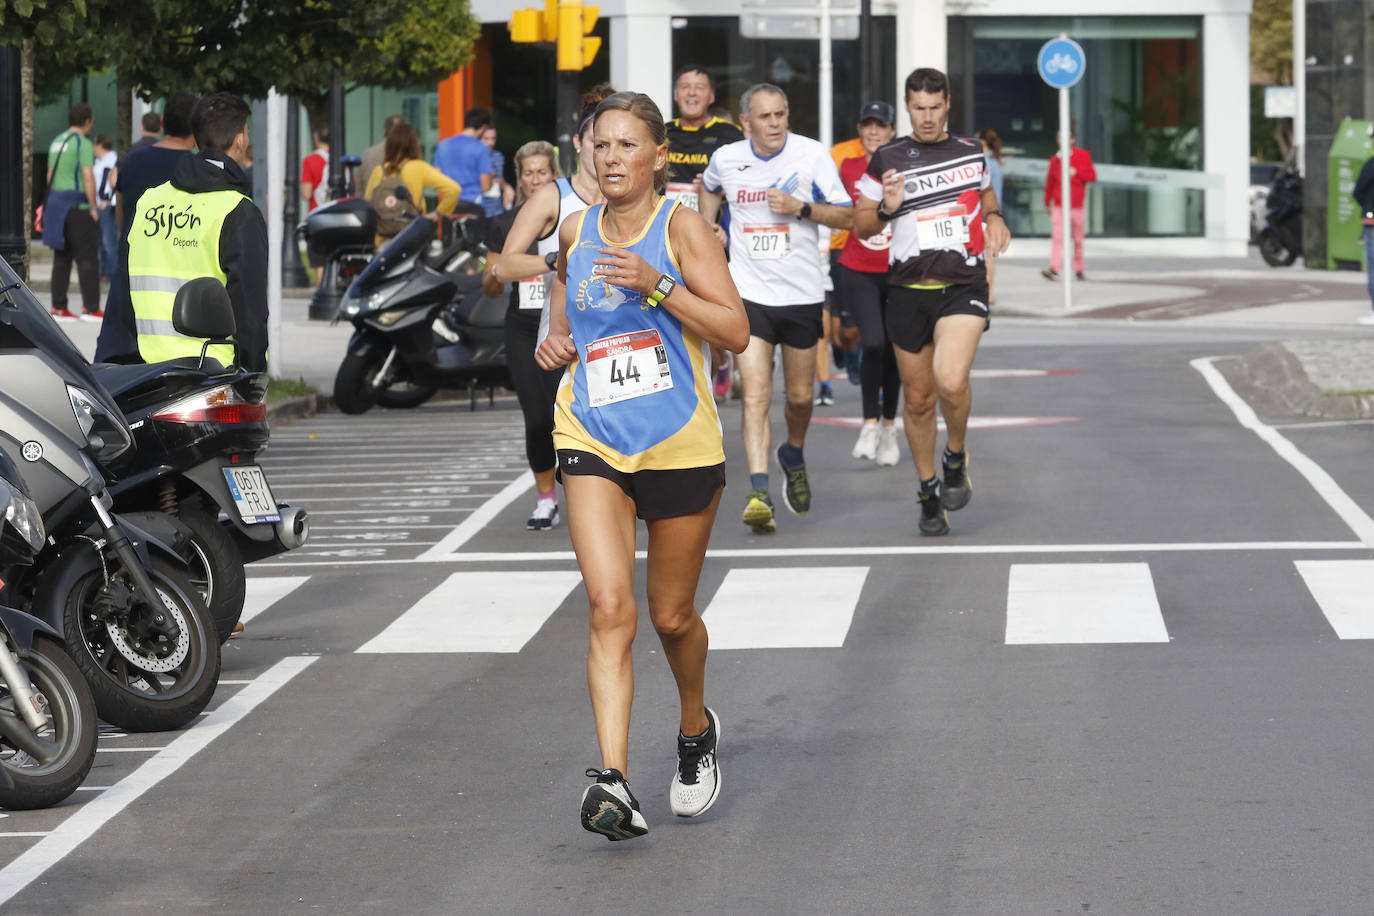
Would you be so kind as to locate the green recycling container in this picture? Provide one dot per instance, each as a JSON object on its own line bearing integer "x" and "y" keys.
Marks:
{"x": 1349, "y": 151}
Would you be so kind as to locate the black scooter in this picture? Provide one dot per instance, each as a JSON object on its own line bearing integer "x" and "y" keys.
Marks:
{"x": 48, "y": 725}
{"x": 197, "y": 429}
{"x": 421, "y": 320}
{"x": 1280, "y": 240}
{"x": 129, "y": 617}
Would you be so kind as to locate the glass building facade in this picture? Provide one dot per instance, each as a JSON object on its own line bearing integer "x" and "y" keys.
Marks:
{"x": 1142, "y": 107}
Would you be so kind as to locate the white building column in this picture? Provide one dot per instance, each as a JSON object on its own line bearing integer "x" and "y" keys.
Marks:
{"x": 641, "y": 57}
{"x": 922, "y": 41}
{"x": 1226, "y": 127}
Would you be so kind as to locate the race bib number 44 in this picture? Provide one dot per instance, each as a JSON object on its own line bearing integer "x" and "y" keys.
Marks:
{"x": 531, "y": 292}
{"x": 768, "y": 241}
{"x": 627, "y": 366}
{"x": 942, "y": 227}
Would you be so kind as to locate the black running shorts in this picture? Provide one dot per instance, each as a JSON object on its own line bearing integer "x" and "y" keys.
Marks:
{"x": 796, "y": 326}
{"x": 656, "y": 494}
{"x": 912, "y": 313}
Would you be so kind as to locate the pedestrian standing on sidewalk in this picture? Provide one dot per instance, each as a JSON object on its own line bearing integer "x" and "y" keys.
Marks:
{"x": 71, "y": 214}
{"x": 151, "y": 123}
{"x": 642, "y": 289}
{"x": 861, "y": 285}
{"x": 1364, "y": 196}
{"x": 1081, "y": 173}
{"x": 935, "y": 191}
{"x": 143, "y": 169}
{"x": 106, "y": 172}
{"x": 536, "y": 226}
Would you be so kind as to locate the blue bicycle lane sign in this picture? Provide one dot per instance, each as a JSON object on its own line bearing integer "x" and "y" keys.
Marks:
{"x": 1061, "y": 62}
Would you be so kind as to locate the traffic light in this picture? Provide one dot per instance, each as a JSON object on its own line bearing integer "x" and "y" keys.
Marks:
{"x": 526, "y": 26}
{"x": 576, "y": 46}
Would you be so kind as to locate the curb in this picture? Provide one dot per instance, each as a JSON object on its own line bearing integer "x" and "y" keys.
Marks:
{"x": 1276, "y": 371}
{"x": 305, "y": 405}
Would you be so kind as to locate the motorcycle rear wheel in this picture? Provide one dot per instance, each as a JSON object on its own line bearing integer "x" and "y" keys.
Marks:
{"x": 139, "y": 697}
{"x": 27, "y": 783}
{"x": 215, "y": 566}
{"x": 1274, "y": 252}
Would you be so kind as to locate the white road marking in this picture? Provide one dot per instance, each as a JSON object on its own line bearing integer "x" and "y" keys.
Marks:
{"x": 1326, "y": 487}
{"x": 1051, "y": 603}
{"x": 477, "y": 612}
{"x": 262, "y": 593}
{"x": 1321, "y": 424}
{"x": 1343, "y": 590}
{"x": 785, "y": 608}
{"x": 94, "y": 814}
{"x": 479, "y": 518}
{"x": 982, "y": 423}
{"x": 128, "y": 750}
{"x": 904, "y": 550}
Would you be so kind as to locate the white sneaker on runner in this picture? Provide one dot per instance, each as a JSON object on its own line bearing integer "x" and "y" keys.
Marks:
{"x": 544, "y": 516}
{"x": 889, "y": 453}
{"x": 867, "y": 446}
{"x": 696, "y": 784}
{"x": 1366, "y": 318}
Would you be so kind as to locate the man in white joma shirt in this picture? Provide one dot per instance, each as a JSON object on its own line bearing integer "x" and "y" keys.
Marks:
{"x": 780, "y": 187}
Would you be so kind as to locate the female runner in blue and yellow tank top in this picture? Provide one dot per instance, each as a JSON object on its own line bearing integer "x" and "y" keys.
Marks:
{"x": 642, "y": 290}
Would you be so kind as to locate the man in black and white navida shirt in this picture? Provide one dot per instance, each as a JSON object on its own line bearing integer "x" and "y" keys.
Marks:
{"x": 935, "y": 191}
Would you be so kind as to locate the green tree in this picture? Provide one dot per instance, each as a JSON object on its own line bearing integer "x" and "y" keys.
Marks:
{"x": 1271, "y": 54}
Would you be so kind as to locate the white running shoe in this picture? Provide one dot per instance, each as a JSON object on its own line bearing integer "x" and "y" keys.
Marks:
{"x": 867, "y": 446}
{"x": 696, "y": 784}
{"x": 544, "y": 516}
{"x": 1366, "y": 318}
{"x": 889, "y": 453}
{"x": 610, "y": 808}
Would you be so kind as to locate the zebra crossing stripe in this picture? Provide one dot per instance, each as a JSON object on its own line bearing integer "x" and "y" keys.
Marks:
{"x": 261, "y": 594}
{"x": 477, "y": 612}
{"x": 1342, "y": 590}
{"x": 1050, "y": 603}
{"x": 787, "y": 608}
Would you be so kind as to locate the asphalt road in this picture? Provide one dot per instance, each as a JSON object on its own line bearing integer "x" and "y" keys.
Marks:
{"x": 1136, "y": 678}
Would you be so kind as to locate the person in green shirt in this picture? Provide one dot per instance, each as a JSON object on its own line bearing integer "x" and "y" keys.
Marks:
{"x": 71, "y": 216}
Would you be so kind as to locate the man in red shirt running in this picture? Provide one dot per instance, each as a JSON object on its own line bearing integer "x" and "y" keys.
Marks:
{"x": 1081, "y": 172}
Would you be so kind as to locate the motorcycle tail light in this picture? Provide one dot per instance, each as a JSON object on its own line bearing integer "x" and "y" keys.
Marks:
{"x": 218, "y": 405}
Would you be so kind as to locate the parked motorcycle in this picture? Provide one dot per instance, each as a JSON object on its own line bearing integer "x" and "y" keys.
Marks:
{"x": 48, "y": 724}
{"x": 421, "y": 321}
{"x": 1280, "y": 239}
{"x": 130, "y": 618}
{"x": 198, "y": 427}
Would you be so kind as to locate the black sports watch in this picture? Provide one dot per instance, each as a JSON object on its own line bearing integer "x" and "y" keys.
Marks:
{"x": 551, "y": 259}
{"x": 662, "y": 290}
{"x": 805, "y": 212}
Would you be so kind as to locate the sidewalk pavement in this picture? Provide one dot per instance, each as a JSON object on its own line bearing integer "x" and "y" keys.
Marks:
{"x": 1326, "y": 371}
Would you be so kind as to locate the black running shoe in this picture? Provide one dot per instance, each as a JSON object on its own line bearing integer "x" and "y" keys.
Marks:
{"x": 958, "y": 485}
{"x": 610, "y": 808}
{"x": 696, "y": 784}
{"x": 797, "y": 493}
{"x": 933, "y": 519}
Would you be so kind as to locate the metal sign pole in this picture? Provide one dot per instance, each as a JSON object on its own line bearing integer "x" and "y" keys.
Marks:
{"x": 827, "y": 89}
{"x": 276, "y": 180}
{"x": 1065, "y": 221}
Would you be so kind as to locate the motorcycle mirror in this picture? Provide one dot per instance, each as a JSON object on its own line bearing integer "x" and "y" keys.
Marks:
{"x": 202, "y": 309}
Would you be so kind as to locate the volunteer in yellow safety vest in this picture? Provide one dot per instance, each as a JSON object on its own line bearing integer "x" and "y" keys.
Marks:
{"x": 202, "y": 223}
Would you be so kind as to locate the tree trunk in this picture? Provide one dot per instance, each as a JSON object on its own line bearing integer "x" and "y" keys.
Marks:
{"x": 124, "y": 116}
{"x": 26, "y": 103}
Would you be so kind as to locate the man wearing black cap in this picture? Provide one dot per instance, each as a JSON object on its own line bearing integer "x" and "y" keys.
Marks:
{"x": 934, "y": 190}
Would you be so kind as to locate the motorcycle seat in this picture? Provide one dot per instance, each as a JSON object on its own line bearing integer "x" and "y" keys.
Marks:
{"x": 120, "y": 380}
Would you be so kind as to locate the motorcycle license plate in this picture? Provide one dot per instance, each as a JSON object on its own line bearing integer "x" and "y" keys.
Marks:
{"x": 252, "y": 497}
